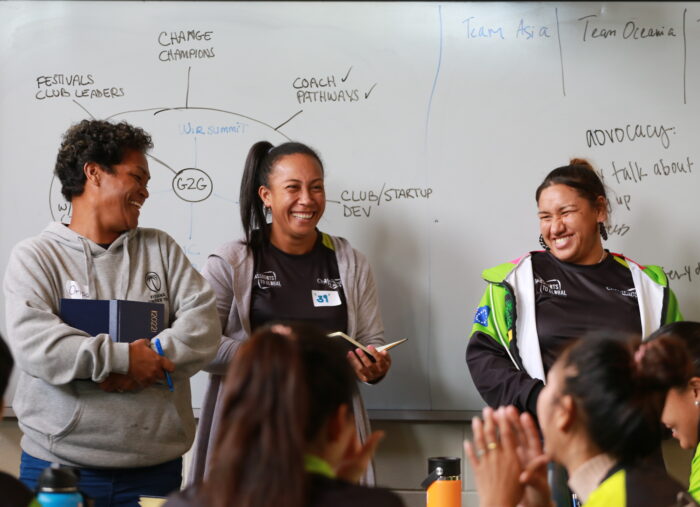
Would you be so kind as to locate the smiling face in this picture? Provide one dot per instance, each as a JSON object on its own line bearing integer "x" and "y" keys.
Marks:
{"x": 296, "y": 196}
{"x": 569, "y": 224}
{"x": 122, "y": 193}
{"x": 682, "y": 416}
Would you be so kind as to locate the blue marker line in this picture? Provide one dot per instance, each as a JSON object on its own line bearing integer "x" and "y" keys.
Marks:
{"x": 168, "y": 379}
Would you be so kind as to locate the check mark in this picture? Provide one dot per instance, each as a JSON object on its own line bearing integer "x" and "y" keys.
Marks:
{"x": 370, "y": 91}
{"x": 346, "y": 75}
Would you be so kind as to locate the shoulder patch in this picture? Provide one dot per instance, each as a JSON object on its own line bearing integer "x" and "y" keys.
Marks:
{"x": 482, "y": 315}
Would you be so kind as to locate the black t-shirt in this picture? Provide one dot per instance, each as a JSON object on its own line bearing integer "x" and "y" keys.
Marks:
{"x": 298, "y": 287}
{"x": 571, "y": 300}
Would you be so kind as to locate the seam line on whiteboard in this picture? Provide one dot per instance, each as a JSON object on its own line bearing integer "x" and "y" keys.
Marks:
{"x": 187, "y": 95}
{"x": 435, "y": 80}
{"x": 561, "y": 54}
{"x": 685, "y": 56}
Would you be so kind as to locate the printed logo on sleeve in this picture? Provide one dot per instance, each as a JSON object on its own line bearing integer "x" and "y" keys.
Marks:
{"x": 266, "y": 280}
{"x": 482, "y": 316}
{"x": 75, "y": 291}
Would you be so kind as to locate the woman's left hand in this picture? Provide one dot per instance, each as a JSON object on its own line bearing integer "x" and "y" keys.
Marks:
{"x": 365, "y": 369}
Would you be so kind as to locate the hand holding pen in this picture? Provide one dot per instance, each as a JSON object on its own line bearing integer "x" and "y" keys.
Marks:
{"x": 168, "y": 378}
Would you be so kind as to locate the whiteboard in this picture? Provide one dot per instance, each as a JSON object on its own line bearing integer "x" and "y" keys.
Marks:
{"x": 436, "y": 122}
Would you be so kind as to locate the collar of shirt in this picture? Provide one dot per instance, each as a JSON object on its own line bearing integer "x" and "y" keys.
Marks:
{"x": 315, "y": 465}
{"x": 588, "y": 476}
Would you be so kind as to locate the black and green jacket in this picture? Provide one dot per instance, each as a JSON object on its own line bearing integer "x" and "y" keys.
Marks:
{"x": 503, "y": 353}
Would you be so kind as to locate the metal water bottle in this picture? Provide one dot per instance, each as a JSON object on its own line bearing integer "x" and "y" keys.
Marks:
{"x": 444, "y": 482}
{"x": 58, "y": 487}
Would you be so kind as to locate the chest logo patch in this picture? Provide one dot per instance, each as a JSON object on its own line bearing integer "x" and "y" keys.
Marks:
{"x": 153, "y": 281}
{"x": 266, "y": 280}
{"x": 630, "y": 293}
{"x": 331, "y": 283}
{"x": 75, "y": 291}
{"x": 552, "y": 287}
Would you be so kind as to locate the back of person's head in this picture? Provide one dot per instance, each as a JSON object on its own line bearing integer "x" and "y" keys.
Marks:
{"x": 689, "y": 333}
{"x": 580, "y": 176}
{"x": 620, "y": 397}
{"x": 6, "y": 364}
{"x": 259, "y": 163}
{"x": 282, "y": 387}
{"x": 96, "y": 141}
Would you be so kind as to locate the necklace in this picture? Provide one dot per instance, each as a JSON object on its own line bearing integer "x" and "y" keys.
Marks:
{"x": 602, "y": 256}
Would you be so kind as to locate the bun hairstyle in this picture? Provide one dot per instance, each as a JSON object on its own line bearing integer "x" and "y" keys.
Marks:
{"x": 261, "y": 158}
{"x": 621, "y": 398}
{"x": 579, "y": 175}
{"x": 686, "y": 331}
{"x": 280, "y": 390}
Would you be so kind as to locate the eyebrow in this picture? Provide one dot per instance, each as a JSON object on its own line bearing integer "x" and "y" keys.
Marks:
{"x": 295, "y": 180}
{"x": 558, "y": 209}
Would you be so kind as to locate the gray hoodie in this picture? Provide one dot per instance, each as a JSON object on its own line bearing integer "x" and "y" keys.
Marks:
{"x": 64, "y": 415}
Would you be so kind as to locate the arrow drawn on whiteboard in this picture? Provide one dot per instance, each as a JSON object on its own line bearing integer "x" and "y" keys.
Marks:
{"x": 161, "y": 163}
{"x": 370, "y": 90}
{"x": 343, "y": 79}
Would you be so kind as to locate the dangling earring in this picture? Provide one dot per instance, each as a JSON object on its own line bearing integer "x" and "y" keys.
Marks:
{"x": 268, "y": 214}
{"x": 542, "y": 243}
{"x": 603, "y": 231}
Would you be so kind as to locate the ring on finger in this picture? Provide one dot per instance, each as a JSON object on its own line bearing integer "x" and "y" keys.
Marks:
{"x": 480, "y": 453}
{"x": 491, "y": 446}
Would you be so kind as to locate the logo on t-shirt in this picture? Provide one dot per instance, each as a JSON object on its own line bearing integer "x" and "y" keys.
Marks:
{"x": 267, "y": 279}
{"x": 552, "y": 287}
{"x": 630, "y": 293}
{"x": 331, "y": 283}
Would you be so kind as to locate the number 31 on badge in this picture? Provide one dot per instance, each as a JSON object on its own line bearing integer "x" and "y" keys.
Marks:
{"x": 325, "y": 298}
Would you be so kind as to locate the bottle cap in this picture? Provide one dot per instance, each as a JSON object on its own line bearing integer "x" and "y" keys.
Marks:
{"x": 58, "y": 480}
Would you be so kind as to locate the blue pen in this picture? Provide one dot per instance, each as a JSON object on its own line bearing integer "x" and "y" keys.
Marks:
{"x": 168, "y": 379}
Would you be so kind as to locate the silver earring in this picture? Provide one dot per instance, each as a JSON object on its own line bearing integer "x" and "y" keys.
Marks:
{"x": 697, "y": 403}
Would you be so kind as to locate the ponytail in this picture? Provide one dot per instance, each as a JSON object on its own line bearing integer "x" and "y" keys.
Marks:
{"x": 261, "y": 158}
{"x": 622, "y": 398}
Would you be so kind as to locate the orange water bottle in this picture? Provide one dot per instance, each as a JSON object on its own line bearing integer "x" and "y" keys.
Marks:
{"x": 444, "y": 482}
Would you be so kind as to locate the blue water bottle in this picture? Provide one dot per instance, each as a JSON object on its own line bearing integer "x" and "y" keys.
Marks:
{"x": 58, "y": 487}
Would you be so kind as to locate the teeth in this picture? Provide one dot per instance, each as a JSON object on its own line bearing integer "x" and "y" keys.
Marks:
{"x": 302, "y": 215}
{"x": 559, "y": 241}
{"x": 137, "y": 204}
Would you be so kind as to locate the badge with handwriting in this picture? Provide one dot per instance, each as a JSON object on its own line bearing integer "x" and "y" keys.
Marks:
{"x": 326, "y": 298}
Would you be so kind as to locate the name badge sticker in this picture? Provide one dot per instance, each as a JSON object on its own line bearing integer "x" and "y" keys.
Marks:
{"x": 326, "y": 298}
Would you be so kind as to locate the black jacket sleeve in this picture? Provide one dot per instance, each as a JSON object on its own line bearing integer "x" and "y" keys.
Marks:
{"x": 497, "y": 379}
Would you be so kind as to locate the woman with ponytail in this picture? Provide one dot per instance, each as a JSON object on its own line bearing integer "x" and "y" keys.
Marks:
{"x": 599, "y": 415}
{"x": 286, "y": 269}
{"x": 682, "y": 408}
{"x": 287, "y": 434}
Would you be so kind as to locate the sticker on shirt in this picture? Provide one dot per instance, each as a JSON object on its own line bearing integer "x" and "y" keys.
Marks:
{"x": 75, "y": 291}
{"x": 326, "y": 298}
{"x": 630, "y": 293}
{"x": 267, "y": 279}
{"x": 552, "y": 287}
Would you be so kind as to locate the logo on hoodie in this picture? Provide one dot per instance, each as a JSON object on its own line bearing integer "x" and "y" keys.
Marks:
{"x": 153, "y": 281}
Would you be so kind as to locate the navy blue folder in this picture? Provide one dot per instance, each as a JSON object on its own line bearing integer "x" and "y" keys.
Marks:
{"x": 124, "y": 321}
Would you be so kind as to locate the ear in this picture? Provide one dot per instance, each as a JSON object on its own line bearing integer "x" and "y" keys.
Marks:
{"x": 565, "y": 414}
{"x": 264, "y": 194}
{"x": 694, "y": 384}
{"x": 93, "y": 173}
{"x": 601, "y": 208}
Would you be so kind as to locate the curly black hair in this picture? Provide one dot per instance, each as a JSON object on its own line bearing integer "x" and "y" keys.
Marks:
{"x": 96, "y": 141}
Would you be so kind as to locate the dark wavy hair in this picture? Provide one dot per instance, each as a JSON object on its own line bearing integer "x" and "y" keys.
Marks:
{"x": 261, "y": 158}
{"x": 96, "y": 141}
{"x": 686, "y": 331}
{"x": 280, "y": 390}
{"x": 580, "y": 176}
{"x": 620, "y": 398}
